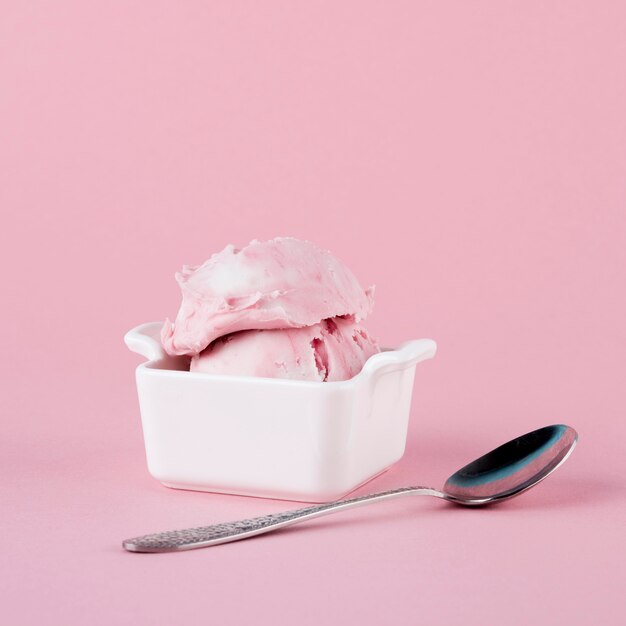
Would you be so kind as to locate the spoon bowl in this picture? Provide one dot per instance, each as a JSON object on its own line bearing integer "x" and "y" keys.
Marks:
{"x": 512, "y": 468}
{"x": 501, "y": 474}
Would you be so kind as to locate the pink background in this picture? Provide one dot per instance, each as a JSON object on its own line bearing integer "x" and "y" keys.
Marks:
{"x": 467, "y": 157}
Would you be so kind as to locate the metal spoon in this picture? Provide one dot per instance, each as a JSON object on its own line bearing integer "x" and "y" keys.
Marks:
{"x": 499, "y": 475}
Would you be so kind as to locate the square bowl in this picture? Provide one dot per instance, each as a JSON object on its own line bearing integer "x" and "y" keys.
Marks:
{"x": 272, "y": 438}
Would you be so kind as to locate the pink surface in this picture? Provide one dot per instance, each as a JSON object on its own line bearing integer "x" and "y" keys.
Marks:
{"x": 467, "y": 158}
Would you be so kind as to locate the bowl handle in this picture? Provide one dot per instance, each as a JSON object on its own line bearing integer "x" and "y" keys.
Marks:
{"x": 406, "y": 355}
{"x": 146, "y": 340}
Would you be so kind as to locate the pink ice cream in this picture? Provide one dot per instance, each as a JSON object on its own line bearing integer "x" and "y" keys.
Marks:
{"x": 282, "y": 283}
{"x": 282, "y": 309}
{"x": 335, "y": 349}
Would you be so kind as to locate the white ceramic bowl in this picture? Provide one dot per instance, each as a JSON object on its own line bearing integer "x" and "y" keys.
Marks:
{"x": 295, "y": 440}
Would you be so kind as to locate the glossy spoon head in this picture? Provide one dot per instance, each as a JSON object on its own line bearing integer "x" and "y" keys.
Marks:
{"x": 511, "y": 468}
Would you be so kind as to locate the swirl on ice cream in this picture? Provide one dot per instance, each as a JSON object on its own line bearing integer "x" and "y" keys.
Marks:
{"x": 282, "y": 308}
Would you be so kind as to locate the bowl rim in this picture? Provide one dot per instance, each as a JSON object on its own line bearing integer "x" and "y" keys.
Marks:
{"x": 142, "y": 340}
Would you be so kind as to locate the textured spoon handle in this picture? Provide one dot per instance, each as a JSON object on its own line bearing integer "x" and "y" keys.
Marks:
{"x": 205, "y": 536}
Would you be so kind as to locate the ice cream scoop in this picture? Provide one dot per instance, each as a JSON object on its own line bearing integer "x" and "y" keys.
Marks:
{"x": 277, "y": 284}
{"x": 335, "y": 349}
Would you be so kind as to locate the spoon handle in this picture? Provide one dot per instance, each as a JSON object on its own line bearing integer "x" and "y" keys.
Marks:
{"x": 205, "y": 536}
